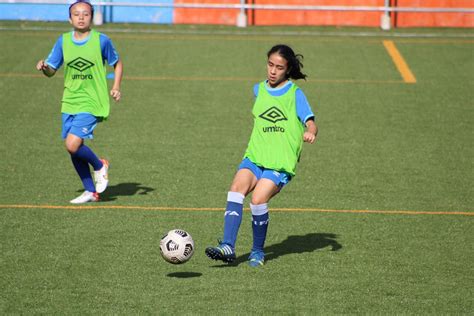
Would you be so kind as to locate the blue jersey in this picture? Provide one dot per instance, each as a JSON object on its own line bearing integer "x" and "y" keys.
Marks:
{"x": 303, "y": 109}
{"x": 109, "y": 54}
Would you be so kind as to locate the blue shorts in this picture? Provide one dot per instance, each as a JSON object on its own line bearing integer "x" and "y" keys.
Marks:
{"x": 81, "y": 125}
{"x": 280, "y": 178}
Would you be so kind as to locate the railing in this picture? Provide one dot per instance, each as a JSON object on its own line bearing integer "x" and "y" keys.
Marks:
{"x": 242, "y": 6}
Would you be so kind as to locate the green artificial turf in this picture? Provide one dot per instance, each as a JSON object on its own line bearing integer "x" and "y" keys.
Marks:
{"x": 174, "y": 142}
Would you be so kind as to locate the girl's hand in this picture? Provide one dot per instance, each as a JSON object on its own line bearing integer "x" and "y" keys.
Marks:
{"x": 309, "y": 137}
{"x": 47, "y": 71}
{"x": 115, "y": 94}
{"x": 41, "y": 65}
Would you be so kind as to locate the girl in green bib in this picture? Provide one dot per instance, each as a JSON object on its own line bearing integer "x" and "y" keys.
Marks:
{"x": 85, "y": 101}
{"x": 283, "y": 120}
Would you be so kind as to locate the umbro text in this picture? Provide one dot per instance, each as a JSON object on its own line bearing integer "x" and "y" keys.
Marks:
{"x": 273, "y": 129}
{"x": 82, "y": 77}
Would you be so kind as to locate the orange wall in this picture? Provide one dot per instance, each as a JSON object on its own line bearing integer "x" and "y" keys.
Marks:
{"x": 278, "y": 17}
{"x": 435, "y": 19}
{"x": 206, "y": 16}
{"x": 273, "y": 17}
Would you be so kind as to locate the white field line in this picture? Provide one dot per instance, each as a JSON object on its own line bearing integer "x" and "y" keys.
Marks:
{"x": 251, "y": 33}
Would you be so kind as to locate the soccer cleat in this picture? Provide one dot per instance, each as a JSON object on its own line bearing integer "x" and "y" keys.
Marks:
{"x": 256, "y": 258}
{"x": 223, "y": 252}
{"x": 102, "y": 177}
{"x": 85, "y": 197}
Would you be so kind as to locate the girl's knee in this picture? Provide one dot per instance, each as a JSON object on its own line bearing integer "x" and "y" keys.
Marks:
{"x": 73, "y": 143}
{"x": 257, "y": 200}
{"x": 71, "y": 147}
{"x": 238, "y": 190}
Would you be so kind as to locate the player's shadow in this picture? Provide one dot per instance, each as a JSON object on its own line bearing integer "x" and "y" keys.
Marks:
{"x": 296, "y": 244}
{"x": 184, "y": 275}
{"x": 124, "y": 189}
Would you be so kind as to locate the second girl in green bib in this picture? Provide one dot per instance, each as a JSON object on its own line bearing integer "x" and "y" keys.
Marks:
{"x": 85, "y": 100}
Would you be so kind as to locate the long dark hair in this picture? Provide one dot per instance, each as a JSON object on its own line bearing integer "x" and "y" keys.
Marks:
{"x": 294, "y": 60}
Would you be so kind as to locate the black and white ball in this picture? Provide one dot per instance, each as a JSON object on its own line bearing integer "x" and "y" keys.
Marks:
{"x": 177, "y": 246}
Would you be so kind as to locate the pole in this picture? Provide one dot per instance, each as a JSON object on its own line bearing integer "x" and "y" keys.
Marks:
{"x": 385, "y": 18}
{"x": 242, "y": 17}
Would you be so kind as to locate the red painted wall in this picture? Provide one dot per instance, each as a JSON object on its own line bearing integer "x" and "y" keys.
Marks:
{"x": 206, "y": 16}
{"x": 290, "y": 17}
{"x": 435, "y": 19}
{"x": 267, "y": 17}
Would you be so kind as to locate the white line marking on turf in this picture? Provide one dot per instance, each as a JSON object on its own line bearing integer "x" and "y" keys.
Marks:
{"x": 250, "y": 33}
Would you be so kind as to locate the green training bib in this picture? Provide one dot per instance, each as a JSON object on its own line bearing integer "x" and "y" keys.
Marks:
{"x": 277, "y": 135}
{"x": 85, "y": 84}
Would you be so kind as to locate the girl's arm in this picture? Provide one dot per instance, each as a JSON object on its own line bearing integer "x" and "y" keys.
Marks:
{"x": 118, "y": 71}
{"x": 309, "y": 135}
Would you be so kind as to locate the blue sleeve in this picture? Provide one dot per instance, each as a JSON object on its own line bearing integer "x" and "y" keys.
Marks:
{"x": 55, "y": 58}
{"x": 109, "y": 53}
{"x": 303, "y": 109}
{"x": 255, "y": 90}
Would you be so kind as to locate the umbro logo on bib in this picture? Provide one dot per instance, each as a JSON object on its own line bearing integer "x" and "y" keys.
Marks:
{"x": 273, "y": 115}
{"x": 80, "y": 64}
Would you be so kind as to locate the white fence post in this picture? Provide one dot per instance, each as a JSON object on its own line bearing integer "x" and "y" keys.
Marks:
{"x": 242, "y": 17}
{"x": 385, "y": 18}
{"x": 98, "y": 16}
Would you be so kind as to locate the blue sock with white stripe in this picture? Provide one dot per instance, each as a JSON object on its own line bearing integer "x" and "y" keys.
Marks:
{"x": 233, "y": 217}
{"x": 260, "y": 218}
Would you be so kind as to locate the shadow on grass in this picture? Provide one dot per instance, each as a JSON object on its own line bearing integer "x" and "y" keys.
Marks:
{"x": 124, "y": 189}
{"x": 294, "y": 244}
{"x": 184, "y": 275}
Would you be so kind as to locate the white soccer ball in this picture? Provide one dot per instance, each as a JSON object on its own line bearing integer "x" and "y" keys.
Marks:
{"x": 177, "y": 246}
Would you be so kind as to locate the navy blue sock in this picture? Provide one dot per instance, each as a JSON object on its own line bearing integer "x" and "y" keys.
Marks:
{"x": 260, "y": 218}
{"x": 233, "y": 217}
{"x": 84, "y": 173}
{"x": 86, "y": 154}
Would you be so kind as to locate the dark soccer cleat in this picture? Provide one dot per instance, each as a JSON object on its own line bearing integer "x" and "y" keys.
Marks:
{"x": 256, "y": 258}
{"x": 223, "y": 252}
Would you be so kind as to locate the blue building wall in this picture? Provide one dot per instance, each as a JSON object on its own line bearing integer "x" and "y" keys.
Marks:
{"x": 141, "y": 15}
{"x": 58, "y": 12}
{"x": 34, "y": 12}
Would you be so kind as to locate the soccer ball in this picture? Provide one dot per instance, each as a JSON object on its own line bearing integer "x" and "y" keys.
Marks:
{"x": 177, "y": 246}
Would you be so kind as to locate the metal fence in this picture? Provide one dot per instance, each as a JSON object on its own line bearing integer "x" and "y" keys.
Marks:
{"x": 243, "y": 7}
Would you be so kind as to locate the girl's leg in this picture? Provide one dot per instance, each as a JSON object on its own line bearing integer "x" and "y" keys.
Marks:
{"x": 82, "y": 169}
{"x": 81, "y": 157}
{"x": 244, "y": 182}
{"x": 262, "y": 194}
{"x": 75, "y": 146}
